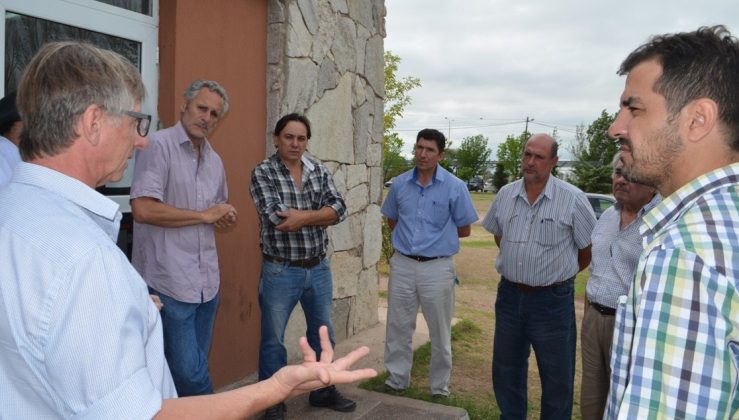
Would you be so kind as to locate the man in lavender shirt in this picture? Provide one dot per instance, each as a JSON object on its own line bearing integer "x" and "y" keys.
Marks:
{"x": 178, "y": 198}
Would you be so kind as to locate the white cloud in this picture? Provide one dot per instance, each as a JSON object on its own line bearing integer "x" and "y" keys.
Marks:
{"x": 484, "y": 63}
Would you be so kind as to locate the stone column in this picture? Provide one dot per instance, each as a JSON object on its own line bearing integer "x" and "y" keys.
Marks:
{"x": 325, "y": 60}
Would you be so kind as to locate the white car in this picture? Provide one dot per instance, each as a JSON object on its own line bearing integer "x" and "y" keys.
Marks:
{"x": 600, "y": 202}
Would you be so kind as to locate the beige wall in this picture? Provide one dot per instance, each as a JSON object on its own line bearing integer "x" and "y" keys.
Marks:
{"x": 225, "y": 40}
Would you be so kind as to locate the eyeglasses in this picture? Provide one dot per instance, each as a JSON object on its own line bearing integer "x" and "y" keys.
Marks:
{"x": 143, "y": 122}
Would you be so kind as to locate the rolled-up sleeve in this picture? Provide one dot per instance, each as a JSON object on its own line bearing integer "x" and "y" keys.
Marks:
{"x": 150, "y": 173}
{"x": 265, "y": 195}
{"x": 332, "y": 198}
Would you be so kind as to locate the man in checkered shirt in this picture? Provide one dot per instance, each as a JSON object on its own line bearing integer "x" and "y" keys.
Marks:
{"x": 676, "y": 340}
{"x": 296, "y": 200}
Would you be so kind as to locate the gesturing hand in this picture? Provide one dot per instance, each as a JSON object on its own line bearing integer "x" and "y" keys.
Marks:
{"x": 313, "y": 374}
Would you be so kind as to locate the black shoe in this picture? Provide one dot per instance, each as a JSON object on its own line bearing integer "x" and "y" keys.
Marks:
{"x": 393, "y": 391}
{"x": 439, "y": 398}
{"x": 330, "y": 397}
{"x": 276, "y": 412}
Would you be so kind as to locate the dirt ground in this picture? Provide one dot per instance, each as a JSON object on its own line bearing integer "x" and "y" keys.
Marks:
{"x": 475, "y": 297}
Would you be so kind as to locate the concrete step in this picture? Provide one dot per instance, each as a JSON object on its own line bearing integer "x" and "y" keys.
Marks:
{"x": 375, "y": 406}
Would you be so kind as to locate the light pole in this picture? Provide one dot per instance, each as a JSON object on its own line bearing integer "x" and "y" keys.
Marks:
{"x": 449, "y": 128}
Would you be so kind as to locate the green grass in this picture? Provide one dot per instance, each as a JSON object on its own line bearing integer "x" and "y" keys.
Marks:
{"x": 478, "y": 243}
{"x": 466, "y": 339}
{"x": 580, "y": 280}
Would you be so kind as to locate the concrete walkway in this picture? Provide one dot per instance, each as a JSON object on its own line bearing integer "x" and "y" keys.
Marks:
{"x": 375, "y": 405}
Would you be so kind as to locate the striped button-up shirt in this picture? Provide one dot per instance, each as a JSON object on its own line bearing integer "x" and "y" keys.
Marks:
{"x": 180, "y": 262}
{"x": 540, "y": 242}
{"x": 79, "y": 334}
{"x": 676, "y": 341}
{"x": 273, "y": 190}
{"x": 616, "y": 252}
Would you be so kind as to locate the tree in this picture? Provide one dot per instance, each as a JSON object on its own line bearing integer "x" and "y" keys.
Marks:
{"x": 450, "y": 158}
{"x": 394, "y": 163}
{"x": 509, "y": 155}
{"x": 499, "y": 177}
{"x": 396, "y": 99}
{"x": 593, "y": 152}
{"x": 472, "y": 157}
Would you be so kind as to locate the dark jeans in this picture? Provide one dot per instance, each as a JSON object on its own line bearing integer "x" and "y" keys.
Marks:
{"x": 544, "y": 319}
{"x": 188, "y": 330}
{"x": 281, "y": 287}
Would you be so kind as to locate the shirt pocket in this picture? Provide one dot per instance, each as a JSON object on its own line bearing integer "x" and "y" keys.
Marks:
{"x": 515, "y": 229}
{"x": 440, "y": 213}
{"x": 551, "y": 232}
{"x": 313, "y": 196}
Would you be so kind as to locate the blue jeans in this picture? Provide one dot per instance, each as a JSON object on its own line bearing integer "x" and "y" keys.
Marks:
{"x": 544, "y": 320}
{"x": 281, "y": 287}
{"x": 188, "y": 329}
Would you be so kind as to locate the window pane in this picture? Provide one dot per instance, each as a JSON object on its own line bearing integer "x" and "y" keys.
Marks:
{"x": 24, "y": 35}
{"x": 138, "y": 6}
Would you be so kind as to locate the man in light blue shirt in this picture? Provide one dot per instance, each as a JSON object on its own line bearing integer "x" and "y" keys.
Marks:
{"x": 79, "y": 335}
{"x": 428, "y": 210}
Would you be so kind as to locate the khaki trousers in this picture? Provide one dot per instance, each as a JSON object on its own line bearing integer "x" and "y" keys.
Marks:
{"x": 595, "y": 341}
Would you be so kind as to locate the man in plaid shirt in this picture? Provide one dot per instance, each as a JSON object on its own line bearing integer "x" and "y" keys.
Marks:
{"x": 296, "y": 200}
{"x": 676, "y": 340}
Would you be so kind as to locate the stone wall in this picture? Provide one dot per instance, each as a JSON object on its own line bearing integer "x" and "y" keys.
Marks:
{"x": 325, "y": 60}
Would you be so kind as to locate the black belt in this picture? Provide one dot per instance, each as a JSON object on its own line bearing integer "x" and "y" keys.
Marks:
{"x": 419, "y": 258}
{"x": 605, "y": 310}
{"x": 309, "y": 263}
{"x": 532, "y": 289}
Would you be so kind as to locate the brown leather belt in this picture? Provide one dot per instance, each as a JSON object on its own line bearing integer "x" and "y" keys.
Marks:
{"x": 533, "y": 289}
{"x": 420, "y": 258}
{"x": 309, "y": 263}
{"x": 605, "y": 310}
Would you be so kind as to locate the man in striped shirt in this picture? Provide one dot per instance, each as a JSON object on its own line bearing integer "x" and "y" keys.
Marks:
{"x": 676, "y": 340}
{"x": 542, "y": 226}
{"x": 616, "y": 250}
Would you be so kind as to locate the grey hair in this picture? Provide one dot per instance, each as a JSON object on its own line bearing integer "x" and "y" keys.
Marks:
{"x": 62, "y": 80}
{"x": 192, "y": 91}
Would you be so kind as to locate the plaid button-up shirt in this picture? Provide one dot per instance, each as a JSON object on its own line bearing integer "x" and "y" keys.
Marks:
{"x": 676, "y": 341}
{"x": 273, "y": 190}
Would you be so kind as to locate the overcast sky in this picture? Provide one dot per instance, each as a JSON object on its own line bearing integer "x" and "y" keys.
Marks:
{"x": 487, "y": 65}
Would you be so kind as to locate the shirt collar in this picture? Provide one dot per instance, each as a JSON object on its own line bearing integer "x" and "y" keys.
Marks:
{"x": 307, "y": 163}
{"x": 646, "y": 208}
{"x": 673, "y": 206}
{"x": 105, "y": 211}
{"x": 439, "y": 174}
{"x": 548, "y": 189}
{"x": 183, "y": 138}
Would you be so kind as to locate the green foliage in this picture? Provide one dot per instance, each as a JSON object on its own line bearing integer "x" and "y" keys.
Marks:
{"x": 500, "y": 178}
{"x": 593, "y": 152}
{"x": 464, "y": 333}
{"x": 396, "y": 99}
{"x": 472, "y": 157}
{"x": 393, "y": 163}
{"x": 387, "y": 242}
{"x": 396, "y": 91}
{"x": 450, "y": 158}
{"x": 509, "y": 155}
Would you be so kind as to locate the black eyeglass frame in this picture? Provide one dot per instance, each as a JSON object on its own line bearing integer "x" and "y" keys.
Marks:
{"x": 143, "y": 122}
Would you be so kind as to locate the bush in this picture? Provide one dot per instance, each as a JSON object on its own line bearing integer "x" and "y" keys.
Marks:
{"x": 387, "y": 242}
